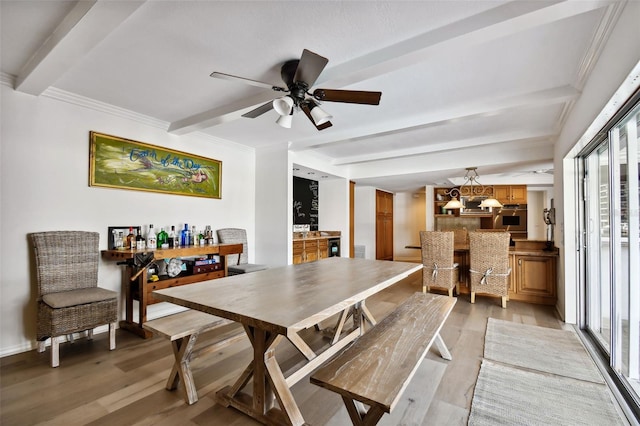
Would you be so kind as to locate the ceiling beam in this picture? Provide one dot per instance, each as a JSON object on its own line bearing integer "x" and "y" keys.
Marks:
{"x": 503, "y": 153}
{"x": 524, "y": 138}
{"x": 444, "y": 116}
{"x": 86, "y": 25}
{"x": 501, "y": 21}
{"x": 220, "y": 115}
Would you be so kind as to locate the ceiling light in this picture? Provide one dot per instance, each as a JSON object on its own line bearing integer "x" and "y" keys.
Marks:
{"x": 318, "y": 114}
{"x": 470, "y": 188}
{"x": 490, "y": 202}
{"x": 285, "y": 121}
{"x": 283, "y": 106}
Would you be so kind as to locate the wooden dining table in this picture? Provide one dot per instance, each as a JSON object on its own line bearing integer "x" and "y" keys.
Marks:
{"x": 279, "y": 303}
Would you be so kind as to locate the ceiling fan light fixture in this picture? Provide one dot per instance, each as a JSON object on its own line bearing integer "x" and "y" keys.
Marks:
{"x": 283, "y": 105}
{"x": 285, "y": 120}
{"x": 319, "y": 115}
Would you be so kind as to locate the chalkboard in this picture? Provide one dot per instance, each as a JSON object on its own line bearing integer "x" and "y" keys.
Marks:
{"x": 305, "y": 202}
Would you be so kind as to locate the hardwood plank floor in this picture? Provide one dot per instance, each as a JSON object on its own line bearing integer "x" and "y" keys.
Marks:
{"x": 94, "y": 386}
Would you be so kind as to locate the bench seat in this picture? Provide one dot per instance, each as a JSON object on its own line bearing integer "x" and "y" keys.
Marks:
{"x": 183, "y": 329}
{"x": 377, "y": 367}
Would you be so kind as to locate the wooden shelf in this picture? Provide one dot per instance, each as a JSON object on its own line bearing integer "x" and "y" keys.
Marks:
{"x": 139, "y": 289}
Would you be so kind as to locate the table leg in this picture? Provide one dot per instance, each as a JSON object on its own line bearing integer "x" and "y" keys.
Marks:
{"x": 268, "y": 384}
{"x": 181, "y": 371}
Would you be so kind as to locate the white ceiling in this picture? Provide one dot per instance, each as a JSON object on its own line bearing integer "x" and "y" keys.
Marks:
{"x": 464, "y": 83}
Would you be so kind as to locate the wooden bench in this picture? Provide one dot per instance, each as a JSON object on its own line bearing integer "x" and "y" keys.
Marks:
{"x": 183, "y": 329}
{"x": 377, "y": 367}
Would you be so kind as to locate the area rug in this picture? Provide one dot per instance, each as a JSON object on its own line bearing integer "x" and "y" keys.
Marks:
{"x": 507, "y": 395}
{"x": 539, "y": 348}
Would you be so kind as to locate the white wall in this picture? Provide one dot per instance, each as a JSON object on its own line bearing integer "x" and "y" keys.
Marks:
{"x": 618, "y": 58}
{"x": 333, "y": 210}
{"x": 274, "y": 203}
{"x": 537, "y": 201}
{"x": 409, "y": 218}
{"x": 365, "y": 219}
{"x": 45, "y": 168}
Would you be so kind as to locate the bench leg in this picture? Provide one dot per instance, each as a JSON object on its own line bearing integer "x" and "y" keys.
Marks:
{"x": 359, "y": 416}
{"x": 444, "y": 352}
{"x": 181, "y": 371}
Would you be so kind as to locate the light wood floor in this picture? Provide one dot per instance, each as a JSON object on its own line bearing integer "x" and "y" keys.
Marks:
{"x": 94, "y": 386}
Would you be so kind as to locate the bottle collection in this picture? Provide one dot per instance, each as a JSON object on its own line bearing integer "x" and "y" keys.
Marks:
{"x": 186, "y": 237}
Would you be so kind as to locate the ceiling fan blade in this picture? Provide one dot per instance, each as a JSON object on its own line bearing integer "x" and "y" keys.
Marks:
{"x": 259, "y": 111}
{"x": 256, "y": 83}
{"x": 309, "y": 68}
{"x": 307, "y": 112}
{"x": 348, "y": 96}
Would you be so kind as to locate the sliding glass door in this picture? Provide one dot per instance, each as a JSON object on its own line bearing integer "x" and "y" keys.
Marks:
{"x": 611, "y": 228}
{"x": 597, "y": 194}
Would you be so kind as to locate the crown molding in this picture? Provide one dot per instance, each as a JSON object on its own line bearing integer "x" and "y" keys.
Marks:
{"x": 83, "y": 101}
{"x": 8, "y": 80}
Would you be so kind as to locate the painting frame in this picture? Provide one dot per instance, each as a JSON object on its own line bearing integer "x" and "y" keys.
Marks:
{"x": 121, "y": 163}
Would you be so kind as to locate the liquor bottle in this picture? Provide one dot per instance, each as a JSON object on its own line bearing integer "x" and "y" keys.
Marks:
{"x": 201, "y": 240}
{"x": 133, "y": 242}
{"x": 172, "y": 237}
{"x": 152, "y": 240}
{"x": 120, "y": 241}
{"x": 193, "y": 237}
{"x": 140, "y": 243}
{"x": 184, "y": 236}
{"x": 163, "y": 239}
{"x": 208, "y": 235}
{"x": 130, "y": 236}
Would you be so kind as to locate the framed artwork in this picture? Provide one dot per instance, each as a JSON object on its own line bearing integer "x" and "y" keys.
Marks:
{"x": 116, "y": 162}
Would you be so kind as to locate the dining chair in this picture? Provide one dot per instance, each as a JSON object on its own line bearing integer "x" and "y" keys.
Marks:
{"x": 69, "y": 299}
{"x": 238, "y": 263}
{"x": 438, "y": 267}
{"x": 489, "y": 264}
{"x": 460, "y": 236}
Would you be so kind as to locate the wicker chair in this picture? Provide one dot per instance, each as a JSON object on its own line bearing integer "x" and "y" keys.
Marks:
{"x": 438, "y": 269}
{"x": 69, "y": 299}
{"x": 238, "y": 264}
{"x": 489, "y": 270}
{"x": 460, "y": 236}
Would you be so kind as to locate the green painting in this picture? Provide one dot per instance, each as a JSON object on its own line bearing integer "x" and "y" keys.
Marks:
{"x": 122, "y": 163}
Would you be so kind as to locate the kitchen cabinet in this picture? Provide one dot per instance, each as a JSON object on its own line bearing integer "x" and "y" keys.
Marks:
{"x": 511, "y": 194}
{"x": 533, "y": 271}
{"x": 323, "y": 248}
{"x": 384, "y": 225}
{"x": 534, "y": 279}
{"x": 311, "y": 248}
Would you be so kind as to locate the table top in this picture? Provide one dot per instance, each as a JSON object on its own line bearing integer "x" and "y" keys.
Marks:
{"x": 290, "y": 298}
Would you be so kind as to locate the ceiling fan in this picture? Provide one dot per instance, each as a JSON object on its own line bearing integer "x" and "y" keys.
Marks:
{"x": 299, "y": 76}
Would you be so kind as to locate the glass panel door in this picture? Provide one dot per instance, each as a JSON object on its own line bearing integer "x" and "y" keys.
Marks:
{"x": 598, "y": 286}
{"x": 625, "y": 353}
{"x": 612, "y": 261}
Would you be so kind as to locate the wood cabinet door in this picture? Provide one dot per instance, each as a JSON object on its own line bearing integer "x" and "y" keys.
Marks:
{"x": 323, "y": 249}
{"x": 536, "y": 278}
{"x": 298, "y": 252}
{"x": 518, "y": 194}
{"x": 502, "y": 193}
{"x": 384, "y": 225}
{"x": 311, "y": 251}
